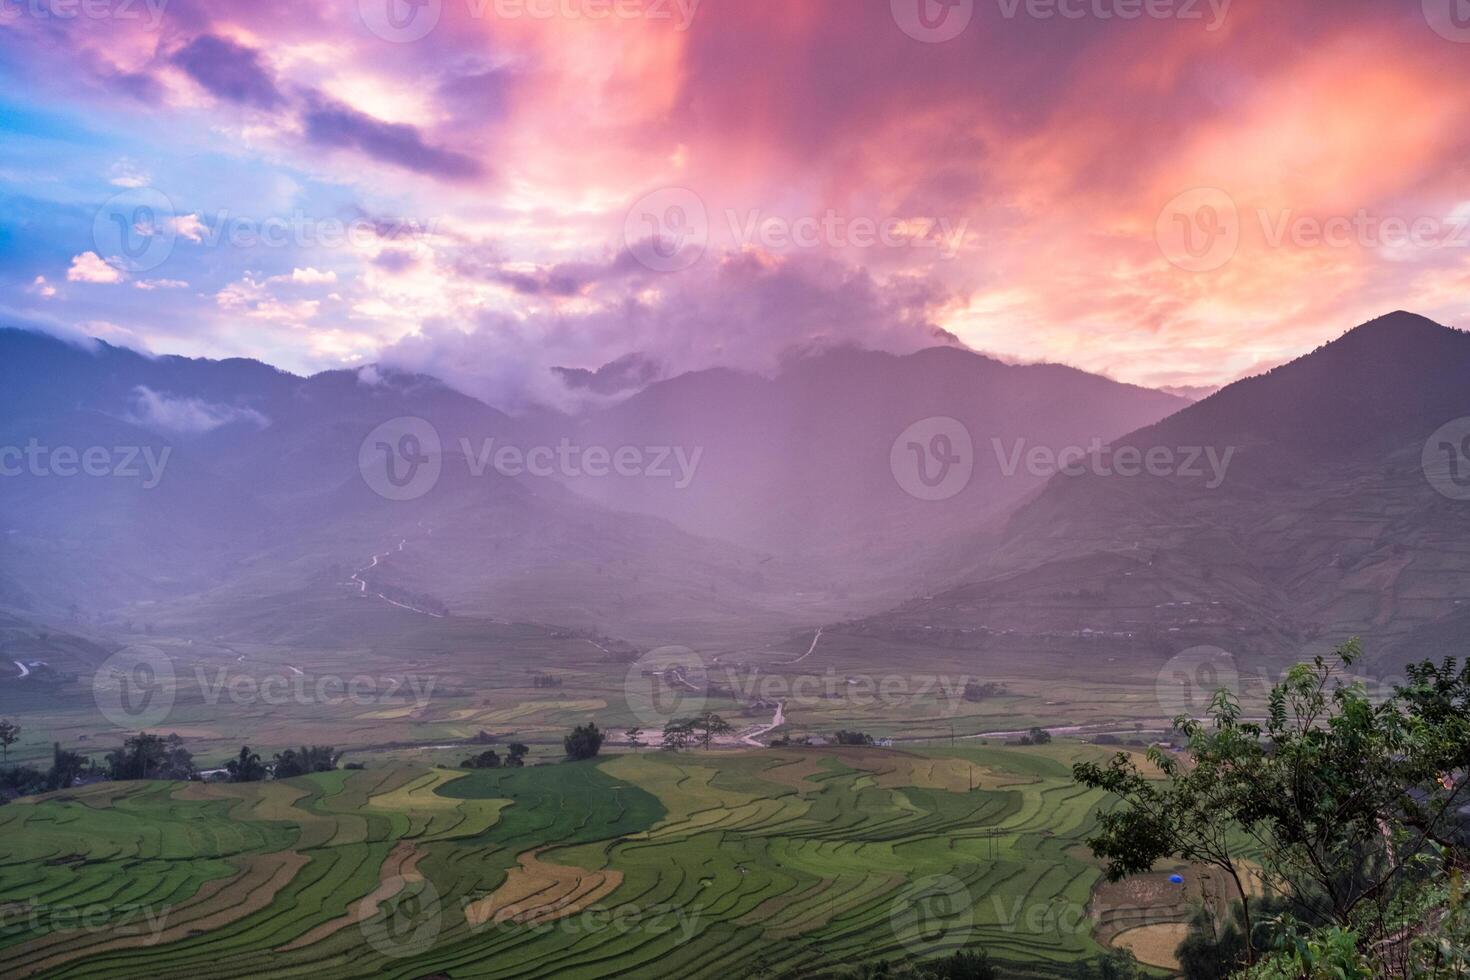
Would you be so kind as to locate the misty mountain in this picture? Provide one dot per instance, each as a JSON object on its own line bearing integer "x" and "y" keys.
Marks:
{"x": 227, "y": 487}
{"x": 1325, "y": 524}
{"x": 801, "y": 463}
{"x": 762, "y": 502}
{"x": 1279, "y": 515}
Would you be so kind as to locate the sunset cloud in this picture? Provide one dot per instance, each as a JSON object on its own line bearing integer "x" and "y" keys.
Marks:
{"x": 736, "y": 180}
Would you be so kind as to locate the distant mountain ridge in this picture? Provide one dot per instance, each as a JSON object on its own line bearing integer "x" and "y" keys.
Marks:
{"x": 1326, "y": 526}
{"x": 264, "y": 496}
{"x": 1322, "y": 523}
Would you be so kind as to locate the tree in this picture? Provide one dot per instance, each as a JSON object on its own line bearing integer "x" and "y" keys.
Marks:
{"x": 246, "y": 768}
{"x": 1351, "y": 805}
{"x": 635, "y": 737}
{"x": 9, "y": 735}
{"x": 1037, "y": 736}
{"x": 677, "y": 734}
{"x": 516, "y": 756}
{"x": 489, "y": 759}
{"x": 66, "y": 766}
{"x": 846, "y": 737}
{"x": 584, "y": 742}
{"x": 710, "y": 726}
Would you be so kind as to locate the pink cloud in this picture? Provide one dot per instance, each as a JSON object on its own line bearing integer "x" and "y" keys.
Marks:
{"x": 89, "y": 267}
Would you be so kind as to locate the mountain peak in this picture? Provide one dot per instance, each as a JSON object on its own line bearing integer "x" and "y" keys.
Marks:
{"x": 1399, "y": 326}
{"x": 1393, "y": 378}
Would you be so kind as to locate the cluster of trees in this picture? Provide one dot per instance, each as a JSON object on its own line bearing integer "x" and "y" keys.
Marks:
{"x": 146, "y": 756}
{"x": 681, "y": 733}
{"x": 1036, "y": 736}
{"x": 1352, "y": 813}
{"x": 490, "y": 759}
{"x": 584, "y": 742}
{"x": 976, "y": 691}
{"x": 150, "y": 756}
{"x": 546, "y": 680}
{"x": 247, "y": 767}
{"x": 846, "y": 737}
{"x": 66, "y": 768}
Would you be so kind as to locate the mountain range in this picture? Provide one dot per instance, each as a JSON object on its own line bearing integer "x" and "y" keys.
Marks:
{"x": 1279, "y": 514}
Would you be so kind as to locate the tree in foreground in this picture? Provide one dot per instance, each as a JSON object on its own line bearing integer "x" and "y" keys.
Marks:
{"x": 1350, "y": 807}
{"x": 584, "y": 742}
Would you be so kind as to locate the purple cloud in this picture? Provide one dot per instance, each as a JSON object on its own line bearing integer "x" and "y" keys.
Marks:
{"x": 230, "y": 71}
{"x": 334, "y": 124}
{"x": 744, "y": 312}
{"x": 561, "y": 279}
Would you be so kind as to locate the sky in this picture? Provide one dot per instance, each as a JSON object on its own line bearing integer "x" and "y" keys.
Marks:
{"x": 1168, "y": 192}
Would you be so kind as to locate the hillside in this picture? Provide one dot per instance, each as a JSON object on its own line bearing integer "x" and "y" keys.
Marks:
{"x": 1323, "y": 527}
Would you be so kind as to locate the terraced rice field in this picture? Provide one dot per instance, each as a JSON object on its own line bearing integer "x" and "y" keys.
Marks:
{"x": 766, "y": 863}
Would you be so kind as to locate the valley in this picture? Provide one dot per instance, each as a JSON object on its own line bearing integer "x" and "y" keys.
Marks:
{"x": 880, "y": 699}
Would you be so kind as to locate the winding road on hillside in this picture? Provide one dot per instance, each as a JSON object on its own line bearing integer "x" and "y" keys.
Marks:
{"x": 362, "y": 586}
{"x": 809, "y": 650}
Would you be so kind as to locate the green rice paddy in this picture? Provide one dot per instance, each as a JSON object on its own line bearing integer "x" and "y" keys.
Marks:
{"x": 763, "y": 863}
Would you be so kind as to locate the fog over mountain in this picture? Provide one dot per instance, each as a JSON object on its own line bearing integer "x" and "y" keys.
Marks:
{"x": 1292, "y": 506}
{"x": 755, "y": 497}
